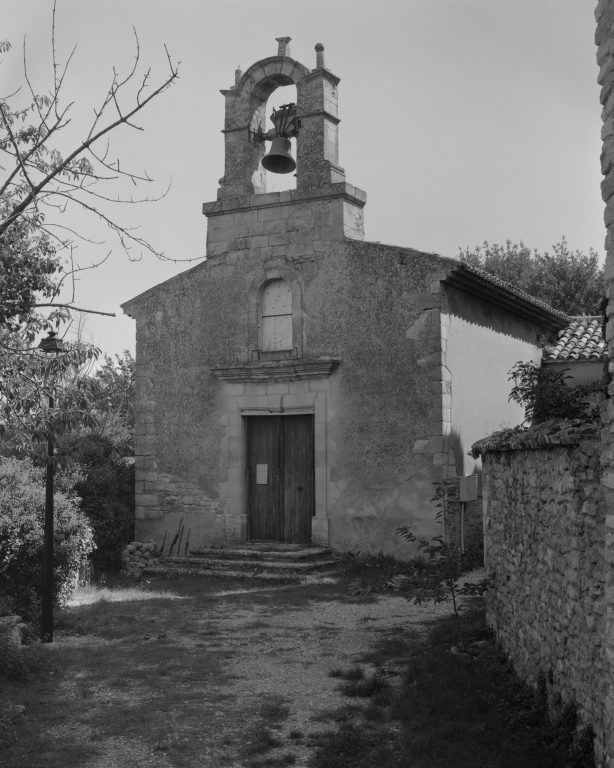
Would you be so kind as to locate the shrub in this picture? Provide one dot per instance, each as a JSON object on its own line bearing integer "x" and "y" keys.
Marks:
{"x": 544, "y": 394}
{"x": 106, "y": 488}
{"x": 22, "y": 512}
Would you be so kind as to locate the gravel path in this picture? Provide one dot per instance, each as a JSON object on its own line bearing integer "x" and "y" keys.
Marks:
{"x": 289, "y": 653}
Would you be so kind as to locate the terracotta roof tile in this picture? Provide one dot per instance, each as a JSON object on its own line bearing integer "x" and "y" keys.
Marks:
{"x": 481, "y": 283}
{"x": 550, "y": 433}
{"x": 581, "y": 340}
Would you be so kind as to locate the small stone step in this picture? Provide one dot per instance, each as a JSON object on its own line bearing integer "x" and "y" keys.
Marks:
{"x": 176, "y": 570}
{"x": 265, "y": 560}
{"x": 246, "y": 565}
{"x": 252, "y": 552}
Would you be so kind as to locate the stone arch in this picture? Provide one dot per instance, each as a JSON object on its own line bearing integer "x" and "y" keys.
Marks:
{"x": 245, "y": 113}
{"x": 260, "y": 281}
{"x": 317, "y": 140}
{"x": 263, "y": 77}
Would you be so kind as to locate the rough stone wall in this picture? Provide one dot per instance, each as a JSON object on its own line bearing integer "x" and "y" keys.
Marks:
{"x": 604, "y": 39}
{"x": 358, "y": 300}
{"x": 544, "y": 522}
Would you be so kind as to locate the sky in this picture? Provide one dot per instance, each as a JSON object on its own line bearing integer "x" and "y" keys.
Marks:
{"x": 464, "y": 120}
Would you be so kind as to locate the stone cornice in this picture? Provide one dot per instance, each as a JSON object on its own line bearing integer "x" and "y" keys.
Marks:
{"x": 324, "y": 73}
{"x": 273, "y": 199}
{"x": 277, "y": 371}
{"x": 321, "y": 113}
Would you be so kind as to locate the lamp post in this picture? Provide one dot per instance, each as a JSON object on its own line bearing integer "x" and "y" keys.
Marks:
{"x": 48, "y": 345}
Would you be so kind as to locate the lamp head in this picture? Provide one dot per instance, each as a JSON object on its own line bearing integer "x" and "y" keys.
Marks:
{"x": 51, "y": 343}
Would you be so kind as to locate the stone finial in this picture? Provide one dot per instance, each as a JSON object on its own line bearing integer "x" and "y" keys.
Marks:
{"x": 320, "y": 56}
{"x": 238, "y": 75}
{"x": 283, "y": 47}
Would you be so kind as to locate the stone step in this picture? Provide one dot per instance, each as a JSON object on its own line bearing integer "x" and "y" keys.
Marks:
{"x": 283, "y": 553}
{"x": 280, "y": 566}
{"x": 255, "y": 573}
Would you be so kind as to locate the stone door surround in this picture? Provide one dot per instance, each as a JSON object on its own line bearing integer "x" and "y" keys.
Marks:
{"x": 275, "y": 399}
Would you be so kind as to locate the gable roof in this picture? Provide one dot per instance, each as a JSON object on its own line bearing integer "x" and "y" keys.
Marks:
{"x": 581, "y": 340}
{"x": 491, "y": 288}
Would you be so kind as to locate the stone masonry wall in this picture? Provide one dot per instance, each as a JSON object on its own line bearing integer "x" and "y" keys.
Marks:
{"x": 604, "y": 39}
{"x": 544, "y": 522}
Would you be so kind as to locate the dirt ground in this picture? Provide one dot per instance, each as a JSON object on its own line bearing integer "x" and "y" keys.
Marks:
{"x": 202, "y": 672}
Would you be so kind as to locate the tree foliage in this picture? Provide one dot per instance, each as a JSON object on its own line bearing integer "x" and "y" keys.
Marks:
{"x": 22, "y": 507}
{"x": 570, "y": 281}
{"x": 544, "y": 394}
{"x": 114, "y": 399}
{"x": 29, "y": 383}
{"x": 439, "y": 580}
{"x": 106, "y": 489}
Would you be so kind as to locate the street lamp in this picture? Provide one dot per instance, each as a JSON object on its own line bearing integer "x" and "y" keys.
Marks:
{"x": 48, "y": 345}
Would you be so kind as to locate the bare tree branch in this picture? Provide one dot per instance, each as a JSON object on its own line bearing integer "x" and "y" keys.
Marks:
{"x": 78, "y": 309}
{"x": 27, "y": 201}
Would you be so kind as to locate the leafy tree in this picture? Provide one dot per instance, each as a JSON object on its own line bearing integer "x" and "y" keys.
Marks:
{"x": 29, "y": 382}
{"x": 439, "y": 580}
{"x": 544, "y": 395}
{"x": 106, "y": 489}
{"x": 22, "y": 504}
{"x": 114, "y": 399}
{"x": 567, "y": 280}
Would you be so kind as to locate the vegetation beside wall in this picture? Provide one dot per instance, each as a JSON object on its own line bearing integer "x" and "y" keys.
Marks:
{"x": 22, "y": 508}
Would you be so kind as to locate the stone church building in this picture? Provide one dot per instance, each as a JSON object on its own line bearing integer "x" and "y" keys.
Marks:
{"x": 304, "y": 385}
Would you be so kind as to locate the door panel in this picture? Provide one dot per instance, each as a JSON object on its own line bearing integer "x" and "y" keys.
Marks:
{"x": 264, "y": 499}
{"x": 299, "y": 486}
{"x": 281, "y": 509}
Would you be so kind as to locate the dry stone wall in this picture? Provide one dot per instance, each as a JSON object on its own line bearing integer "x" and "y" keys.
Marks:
{"x": 545, "y": 547}
{"x": 604, "y": 39}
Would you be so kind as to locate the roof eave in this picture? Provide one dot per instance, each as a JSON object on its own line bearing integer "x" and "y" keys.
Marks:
{"x": 480, "y": 284}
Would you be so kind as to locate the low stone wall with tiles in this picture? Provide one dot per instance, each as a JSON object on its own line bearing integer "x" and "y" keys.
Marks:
{"x": 545, "y": 537}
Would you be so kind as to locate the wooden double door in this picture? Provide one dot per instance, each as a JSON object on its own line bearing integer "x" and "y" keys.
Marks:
{"x": 280, "y": 478}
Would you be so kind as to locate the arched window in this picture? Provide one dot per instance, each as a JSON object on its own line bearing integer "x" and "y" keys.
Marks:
{"x": 276, "y": 317}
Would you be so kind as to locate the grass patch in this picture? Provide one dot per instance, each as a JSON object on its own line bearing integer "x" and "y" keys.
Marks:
{"x": 259, "y": 739}
{"x": 19, "y": 664}
{"x": 467, "y": 710}
{"x": 356, "y": 684}
{"x": 374, "y": 568}
{"x": 279, "y": 761}
{"x": 370, "y": 686}
{"x": 93, "y": 594}
{"x": 274, "y": 710}
{"x": 353, "y": 746}
{"x": 353, "y": 673}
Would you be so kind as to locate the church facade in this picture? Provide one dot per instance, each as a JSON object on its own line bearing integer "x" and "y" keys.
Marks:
{"x": 304, "y": 385}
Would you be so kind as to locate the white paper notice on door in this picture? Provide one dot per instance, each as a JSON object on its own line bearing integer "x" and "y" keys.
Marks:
{"x": 261, "y": 474}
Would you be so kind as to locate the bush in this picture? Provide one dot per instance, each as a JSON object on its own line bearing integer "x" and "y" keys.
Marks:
{"x": 22, "y": 513}
{"x": 545, "y": 395}
{"x": 106, "y": 488}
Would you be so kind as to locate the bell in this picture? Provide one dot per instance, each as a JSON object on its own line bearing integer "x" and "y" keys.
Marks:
{"x": 279, "y": 159}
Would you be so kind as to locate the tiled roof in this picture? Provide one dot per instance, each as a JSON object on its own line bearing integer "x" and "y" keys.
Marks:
{"x": 481, "y": 283}
{"x": 581, "y": 340}
{"x": 549, "y": 433}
